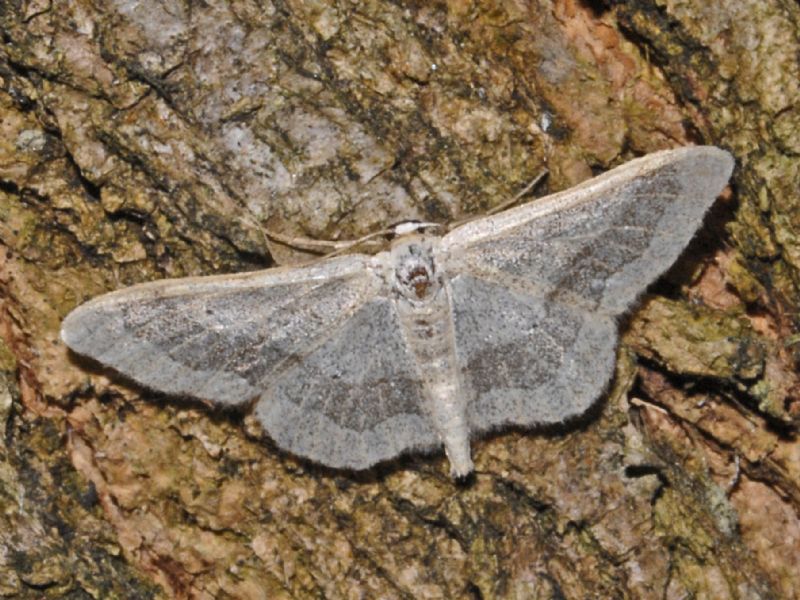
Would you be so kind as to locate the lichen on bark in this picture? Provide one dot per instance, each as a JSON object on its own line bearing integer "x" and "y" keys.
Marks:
{"x": 151, "y": 139}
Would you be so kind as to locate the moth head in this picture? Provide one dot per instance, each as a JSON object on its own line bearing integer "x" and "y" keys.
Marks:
{"x": 416, "y": 277}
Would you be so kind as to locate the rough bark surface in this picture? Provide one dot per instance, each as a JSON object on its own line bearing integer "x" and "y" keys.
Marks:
{"x": 142, "y": 139}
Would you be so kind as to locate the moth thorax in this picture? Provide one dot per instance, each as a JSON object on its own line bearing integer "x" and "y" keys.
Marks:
{"x": 416, "y": 277}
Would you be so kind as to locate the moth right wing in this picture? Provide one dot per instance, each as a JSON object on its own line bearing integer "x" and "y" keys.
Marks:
{"x": 526, "y": 360}
{"x": 220, "y": 338}
{"x": 536, "y": 289}
{"x": 600, "y": 244}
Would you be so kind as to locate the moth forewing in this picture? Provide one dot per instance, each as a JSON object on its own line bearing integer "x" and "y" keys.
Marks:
{"x": 219, "y": 337}
{"x": 707, "y": 167}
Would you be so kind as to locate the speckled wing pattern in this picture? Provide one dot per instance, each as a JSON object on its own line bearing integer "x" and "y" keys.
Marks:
{"x": 356, "y": 399}
{"x": 348, "y": 371}
{"x": 536, "y": 289}
{"x": 230, "y": 339}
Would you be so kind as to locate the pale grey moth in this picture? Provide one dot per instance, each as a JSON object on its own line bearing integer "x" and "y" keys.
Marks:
{"x": 507, "y": 319}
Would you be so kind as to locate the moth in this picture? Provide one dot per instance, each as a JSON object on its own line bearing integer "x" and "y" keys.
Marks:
{"x": 353, "y": 360}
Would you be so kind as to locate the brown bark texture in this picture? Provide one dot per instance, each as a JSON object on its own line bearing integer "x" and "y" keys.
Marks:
{"x": 143, "y": 139}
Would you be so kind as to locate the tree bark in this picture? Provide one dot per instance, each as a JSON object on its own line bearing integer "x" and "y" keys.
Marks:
{"x": 152, "y": 139}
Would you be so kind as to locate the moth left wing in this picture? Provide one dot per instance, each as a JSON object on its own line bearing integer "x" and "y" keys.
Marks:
{"x": 356, "y": 399}
{"x": 220, "y": 338}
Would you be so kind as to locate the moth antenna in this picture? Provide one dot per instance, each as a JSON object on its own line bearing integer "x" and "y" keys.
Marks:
{"x": 507, "y": 203}
{"x": 519, "y": 195}
{"x": 358, "y": 242}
